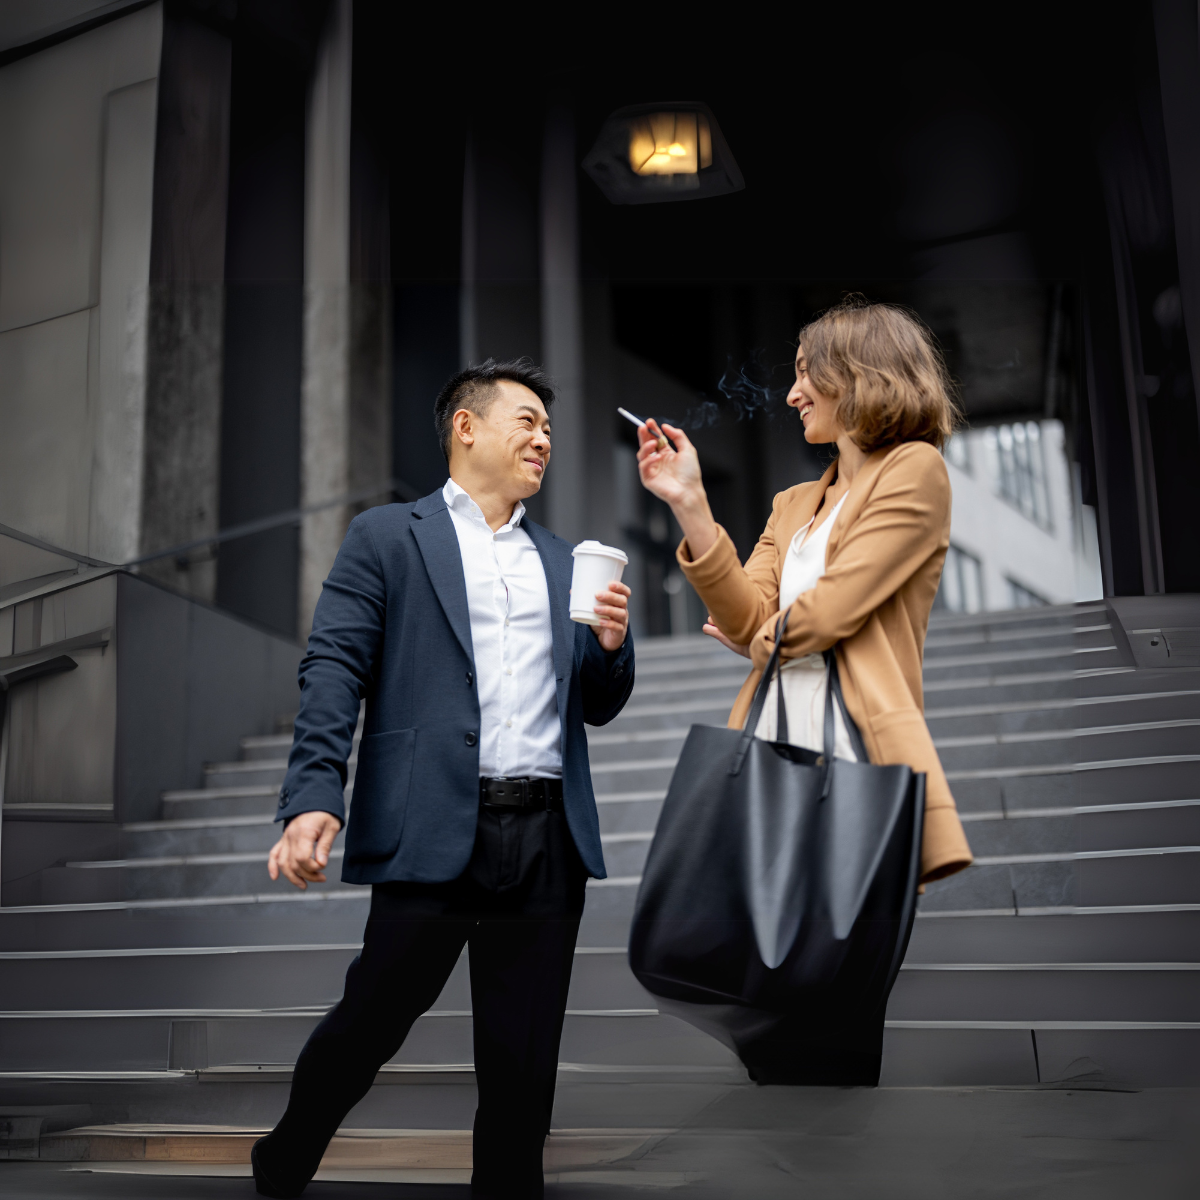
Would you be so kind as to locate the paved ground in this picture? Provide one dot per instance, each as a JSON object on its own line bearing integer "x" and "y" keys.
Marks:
{"x": 840, "y": 1144}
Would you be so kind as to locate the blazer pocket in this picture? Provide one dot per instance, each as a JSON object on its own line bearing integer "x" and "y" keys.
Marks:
{"x": 380, "y": 798}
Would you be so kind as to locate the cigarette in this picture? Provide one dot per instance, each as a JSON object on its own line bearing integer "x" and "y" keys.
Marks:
{"x": 662, "y": 441}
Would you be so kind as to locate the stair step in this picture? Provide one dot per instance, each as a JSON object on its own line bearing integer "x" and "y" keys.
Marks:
{"x": 1070, "y": 784}
{"x": 999, "y": 663}
{"x": 1047, "y": 616}
{"x": 1155, "y": 992}
{"x": 1011, "y": 637}
{"x": 141, "y": 1039}
{"x": 1166, "y": 875}
{"x": 1068, "y": 1054}
{"x": 262, "y": 978}
{"x": 427, "y": 1150}
{"x": 1064, "y": 713}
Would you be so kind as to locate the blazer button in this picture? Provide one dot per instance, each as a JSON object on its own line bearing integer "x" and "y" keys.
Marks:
{"x": 470, "y": 739}
{"x": 470, "y": 677}
{"x": 618, "y": 672}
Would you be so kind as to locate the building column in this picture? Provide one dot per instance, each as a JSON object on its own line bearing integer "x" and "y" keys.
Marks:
{"x": 185, "y": 352}
{"x": 120, "y": 415}
{"x": 562, "y": 328}
{"x": 325, "y": 386}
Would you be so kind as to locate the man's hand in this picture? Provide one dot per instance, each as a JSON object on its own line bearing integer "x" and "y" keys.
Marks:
{"x": 613, "y": 609}
{"x": 303, "y": 852}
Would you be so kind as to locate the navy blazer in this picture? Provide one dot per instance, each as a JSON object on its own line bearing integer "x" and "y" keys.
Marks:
{"x": 392, "y": 625}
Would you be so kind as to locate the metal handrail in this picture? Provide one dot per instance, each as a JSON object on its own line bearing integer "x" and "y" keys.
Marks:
{"x": 291, "y": 516}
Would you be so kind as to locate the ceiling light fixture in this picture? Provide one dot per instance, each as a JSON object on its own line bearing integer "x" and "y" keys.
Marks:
{"x": 650, "y": 153}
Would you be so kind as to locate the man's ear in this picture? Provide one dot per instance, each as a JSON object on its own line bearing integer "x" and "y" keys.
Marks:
{"x": 464, "y": 428}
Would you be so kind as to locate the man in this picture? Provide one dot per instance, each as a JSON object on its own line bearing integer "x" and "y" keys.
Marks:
{"x": 473, "y": 816}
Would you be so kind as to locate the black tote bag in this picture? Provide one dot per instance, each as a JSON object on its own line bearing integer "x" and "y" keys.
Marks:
{"x": 780, "y": 888}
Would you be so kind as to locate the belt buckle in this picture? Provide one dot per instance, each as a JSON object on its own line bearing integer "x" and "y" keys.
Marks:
{"x": 513, "y": 793}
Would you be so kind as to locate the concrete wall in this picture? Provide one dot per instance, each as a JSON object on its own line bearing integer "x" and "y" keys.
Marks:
{"x": 61, "y": 730}
{"x": 77, "y": 129}
{"x": 191, "y": 682}
{"x": 162, "y": 686}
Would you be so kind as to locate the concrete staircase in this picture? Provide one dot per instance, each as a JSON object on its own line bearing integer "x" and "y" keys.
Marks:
{"x": 177, "y": 983}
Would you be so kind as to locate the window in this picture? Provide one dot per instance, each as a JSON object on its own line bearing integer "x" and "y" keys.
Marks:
{"x": 1021, "y": 469}
{"x": 961, "y": 589}
{"x": 1019, "y": 596}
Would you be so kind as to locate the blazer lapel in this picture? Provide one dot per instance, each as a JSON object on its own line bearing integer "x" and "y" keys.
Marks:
{"x": 856, "y": 497}
{"x": 556, "y": 562}
{"x": 802, "y": 512}
{"x": 437, "y": 540}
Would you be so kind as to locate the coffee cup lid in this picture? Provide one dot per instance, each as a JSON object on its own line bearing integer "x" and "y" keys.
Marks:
{"x": 591, "y": 547}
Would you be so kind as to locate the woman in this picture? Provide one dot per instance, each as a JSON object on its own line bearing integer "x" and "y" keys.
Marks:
{"x": 854, "y": 558}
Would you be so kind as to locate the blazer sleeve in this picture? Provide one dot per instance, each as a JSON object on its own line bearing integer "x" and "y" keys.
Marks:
{"x": 605, "y": 679}
{"x": 740, "y": 598}
{"x": 341, "y": 661}
{"x": 901, "y": 525}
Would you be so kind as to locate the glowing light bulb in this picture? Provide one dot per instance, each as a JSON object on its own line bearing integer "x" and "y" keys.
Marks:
{"x": 669, "y": 143}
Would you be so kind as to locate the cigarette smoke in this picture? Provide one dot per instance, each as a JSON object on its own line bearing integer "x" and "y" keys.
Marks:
{"x": 746, "y": 393}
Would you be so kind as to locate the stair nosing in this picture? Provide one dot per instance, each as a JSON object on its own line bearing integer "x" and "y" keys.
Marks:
{"x": 1048, "y": 1026}
{"x": 1087, "y": 967}
{"x": 1112, "y": 764}
{"x": 1017, "y": 706}
{"x": 206, "y": 951}
{"x": 234, "y": 1014}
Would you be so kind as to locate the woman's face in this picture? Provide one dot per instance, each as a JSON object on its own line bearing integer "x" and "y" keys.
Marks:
{"x": 818, "y": 412}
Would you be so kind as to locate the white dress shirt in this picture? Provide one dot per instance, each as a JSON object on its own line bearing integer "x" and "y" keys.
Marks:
{"x": 509, "y": 605}
{"x": 804, "y": 677}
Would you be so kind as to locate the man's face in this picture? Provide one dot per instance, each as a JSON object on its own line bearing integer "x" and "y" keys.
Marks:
{"x": 510, "y": 444}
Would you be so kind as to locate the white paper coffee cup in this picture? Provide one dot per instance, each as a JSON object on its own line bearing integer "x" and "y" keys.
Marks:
{"x": 596, "y": 566}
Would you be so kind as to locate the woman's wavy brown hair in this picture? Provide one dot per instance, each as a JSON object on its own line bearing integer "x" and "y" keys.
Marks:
{"x": 886, "y": 371}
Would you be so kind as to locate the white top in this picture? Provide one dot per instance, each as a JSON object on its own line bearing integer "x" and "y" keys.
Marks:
{"x": 804, "y": 678}
{"x": 511, "y": 635}
{"x": 805, "y": 561}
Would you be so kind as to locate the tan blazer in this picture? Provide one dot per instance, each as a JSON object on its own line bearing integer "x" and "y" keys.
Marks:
{"x": 883, "y": 563}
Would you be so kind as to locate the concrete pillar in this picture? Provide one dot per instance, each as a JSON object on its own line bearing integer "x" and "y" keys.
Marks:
{"x": 562, "y": 328}
{"x": 126, "y": 205}
{"x": 325, "y": 388}
{"x": 185, "y": 353}
{"x": 468, "y": 336}
{"x": 500, "y": 310}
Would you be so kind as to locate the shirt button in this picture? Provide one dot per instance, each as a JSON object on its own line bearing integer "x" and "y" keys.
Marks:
{"x": 508, "y": 724}
{"x": 508, "y": 670}
{"x": 470, "y": 739}
{"x": 506, "y": 621}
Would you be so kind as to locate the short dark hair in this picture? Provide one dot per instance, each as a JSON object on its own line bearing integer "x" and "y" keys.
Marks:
{"x": 475, "y": 389}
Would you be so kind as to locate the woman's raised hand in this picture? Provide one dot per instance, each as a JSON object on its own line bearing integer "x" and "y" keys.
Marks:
{"x": 670, "y": 474}
{"x": 673, "y": 474}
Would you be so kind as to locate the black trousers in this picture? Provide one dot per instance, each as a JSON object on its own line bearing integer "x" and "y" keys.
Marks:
{"x": 517, "y": 909}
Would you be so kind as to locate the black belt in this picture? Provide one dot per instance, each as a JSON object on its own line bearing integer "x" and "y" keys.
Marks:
{"x": 534, "y": 794}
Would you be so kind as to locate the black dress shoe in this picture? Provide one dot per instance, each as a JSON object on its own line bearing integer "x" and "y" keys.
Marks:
{"x": 263, "y": 1183}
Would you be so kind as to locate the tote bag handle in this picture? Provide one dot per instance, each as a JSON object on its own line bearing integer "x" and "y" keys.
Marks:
{"x": 833, "y": 694}
{"x": 760, "y": 699}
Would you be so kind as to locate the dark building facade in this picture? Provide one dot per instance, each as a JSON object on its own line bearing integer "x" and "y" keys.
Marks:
{"x": 348, "y": 202}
